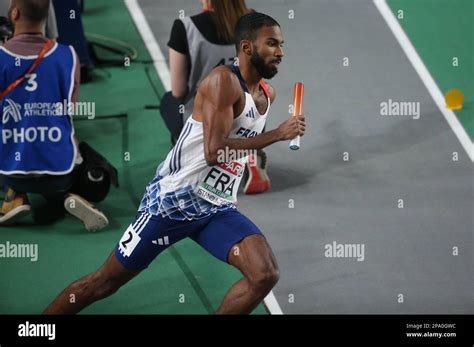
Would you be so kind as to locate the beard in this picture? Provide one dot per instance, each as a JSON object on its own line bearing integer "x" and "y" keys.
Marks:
{"x": 265, "y": 70}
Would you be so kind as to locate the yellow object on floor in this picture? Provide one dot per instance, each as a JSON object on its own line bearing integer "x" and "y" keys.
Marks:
{"x": 454, "y": 99}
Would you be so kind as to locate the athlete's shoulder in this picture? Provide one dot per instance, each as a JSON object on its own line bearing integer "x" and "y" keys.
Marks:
{"x": 223, "y": 73}
{"x": 221, "y": 83}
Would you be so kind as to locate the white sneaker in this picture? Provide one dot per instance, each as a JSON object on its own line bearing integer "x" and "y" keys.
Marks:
{"x": 13, "y": 211}
{"x": 93, "y": 219}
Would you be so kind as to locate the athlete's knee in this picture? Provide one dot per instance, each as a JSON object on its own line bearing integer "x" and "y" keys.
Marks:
{"x": 272, "y": 276}
{"x": 265, "y": 278}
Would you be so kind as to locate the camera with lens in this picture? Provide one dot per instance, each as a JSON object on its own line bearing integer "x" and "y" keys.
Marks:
{"x": 6, "y": 29}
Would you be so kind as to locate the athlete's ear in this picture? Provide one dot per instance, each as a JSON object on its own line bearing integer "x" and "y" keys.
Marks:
{"x": 14, "y": 13}
{"x": 246, "y": 47}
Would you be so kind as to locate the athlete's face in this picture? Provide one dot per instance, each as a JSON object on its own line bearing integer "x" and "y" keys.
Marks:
{"x": 268, "y": 51}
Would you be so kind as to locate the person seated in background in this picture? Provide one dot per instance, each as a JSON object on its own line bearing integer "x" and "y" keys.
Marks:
{"x": 39, "y": 152}
{"x": 51, "y": 30}
{"x": 197, "y": 45}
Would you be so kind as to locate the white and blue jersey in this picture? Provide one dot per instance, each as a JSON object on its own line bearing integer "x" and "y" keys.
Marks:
{"x": 185, "y": 187}
{"x": 37, "y": 134}
{"x": 189, "y": 199}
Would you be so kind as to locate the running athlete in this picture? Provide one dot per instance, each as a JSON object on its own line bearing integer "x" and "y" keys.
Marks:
{"x": 194, "y": 192}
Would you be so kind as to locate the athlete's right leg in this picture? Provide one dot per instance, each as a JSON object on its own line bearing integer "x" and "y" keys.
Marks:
{"x": 144, "y": 239}
{"x": 95, "y": 286}
{"x": 255, "y": 260}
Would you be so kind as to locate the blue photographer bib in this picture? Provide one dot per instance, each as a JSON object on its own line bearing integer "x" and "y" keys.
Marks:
{"x": 36, "y": 131}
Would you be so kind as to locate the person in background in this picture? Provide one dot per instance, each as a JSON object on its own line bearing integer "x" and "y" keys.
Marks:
{"x": 51, "y": 30}
{"x": 39, "y": 152}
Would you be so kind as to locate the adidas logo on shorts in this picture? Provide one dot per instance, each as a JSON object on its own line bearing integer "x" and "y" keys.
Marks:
{"x": 161, "y": 241}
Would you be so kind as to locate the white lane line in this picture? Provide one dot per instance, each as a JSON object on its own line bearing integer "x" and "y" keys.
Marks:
{"x": 147, "y": 35}
{"x": 162, "y": 69}
{"x": 272, "y": 304}
{"x": 425, "y": 76}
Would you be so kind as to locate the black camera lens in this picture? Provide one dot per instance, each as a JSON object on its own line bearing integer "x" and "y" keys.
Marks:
{"x": 6, "y": 28}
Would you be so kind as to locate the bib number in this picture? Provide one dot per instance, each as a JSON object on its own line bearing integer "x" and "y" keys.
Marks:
{"x": 221, "y": 183}
{"x": 129, "y": 241}
{"x": 32, "y": 84}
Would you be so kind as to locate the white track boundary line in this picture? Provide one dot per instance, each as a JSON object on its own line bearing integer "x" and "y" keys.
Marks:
{"x": 425, "y": 76}
{"x": 151, "y": 44}
{"x": 162, "y": 69}
{"x": 272, "y": 304}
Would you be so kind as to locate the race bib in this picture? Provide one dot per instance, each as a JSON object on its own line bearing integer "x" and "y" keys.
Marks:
{"x": 221, "y": 183}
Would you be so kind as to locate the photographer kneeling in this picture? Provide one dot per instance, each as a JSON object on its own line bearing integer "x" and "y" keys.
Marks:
{"x": 39, "y": 152}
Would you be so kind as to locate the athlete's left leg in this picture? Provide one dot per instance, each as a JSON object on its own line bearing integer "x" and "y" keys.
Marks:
{"x": 258, "y": 265}
{"x": 232, "y": 237}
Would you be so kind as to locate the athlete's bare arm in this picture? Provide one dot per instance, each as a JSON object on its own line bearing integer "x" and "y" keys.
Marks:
{"x": 221, "y": 98}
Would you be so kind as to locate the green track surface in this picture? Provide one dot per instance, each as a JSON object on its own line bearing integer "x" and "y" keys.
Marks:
{"x": 441, "y": 30}
{"x": 66, "y": 250}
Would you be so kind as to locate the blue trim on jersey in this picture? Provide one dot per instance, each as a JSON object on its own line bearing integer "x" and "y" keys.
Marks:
{"x": 172, "y": 160}
{"x": 243, "y": 84}
{"x": 178, "y": 168}
{"x": 182, "y": 204}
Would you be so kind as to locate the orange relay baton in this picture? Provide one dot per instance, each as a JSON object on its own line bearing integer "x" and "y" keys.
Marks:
{"x": 298, "y": 97}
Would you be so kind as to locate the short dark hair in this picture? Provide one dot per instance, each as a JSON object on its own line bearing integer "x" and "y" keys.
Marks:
{"x": 35, "y": 11}
{"x": 248, "y": 25}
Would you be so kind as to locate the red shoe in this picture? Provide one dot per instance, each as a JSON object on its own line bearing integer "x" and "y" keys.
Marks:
{"x": 256, "y": 173}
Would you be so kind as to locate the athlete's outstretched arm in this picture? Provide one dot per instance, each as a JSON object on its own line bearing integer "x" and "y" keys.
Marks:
{"x": 221, "y": 91}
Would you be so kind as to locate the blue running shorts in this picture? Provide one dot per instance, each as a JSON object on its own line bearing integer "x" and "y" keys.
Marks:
{"x": 149, "y": 235}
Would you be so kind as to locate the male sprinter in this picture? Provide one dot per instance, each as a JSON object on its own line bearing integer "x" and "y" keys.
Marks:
{"x": 194, "y": 194}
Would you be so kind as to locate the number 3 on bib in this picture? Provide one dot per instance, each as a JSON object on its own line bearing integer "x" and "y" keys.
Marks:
{"x": 31, "y": 81}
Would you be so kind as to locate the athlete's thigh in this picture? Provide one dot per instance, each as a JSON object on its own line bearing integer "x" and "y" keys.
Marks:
{"x": 253, "y": 257}
{"x": 149, "y": 235}
{"x": 233, "y": 238}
